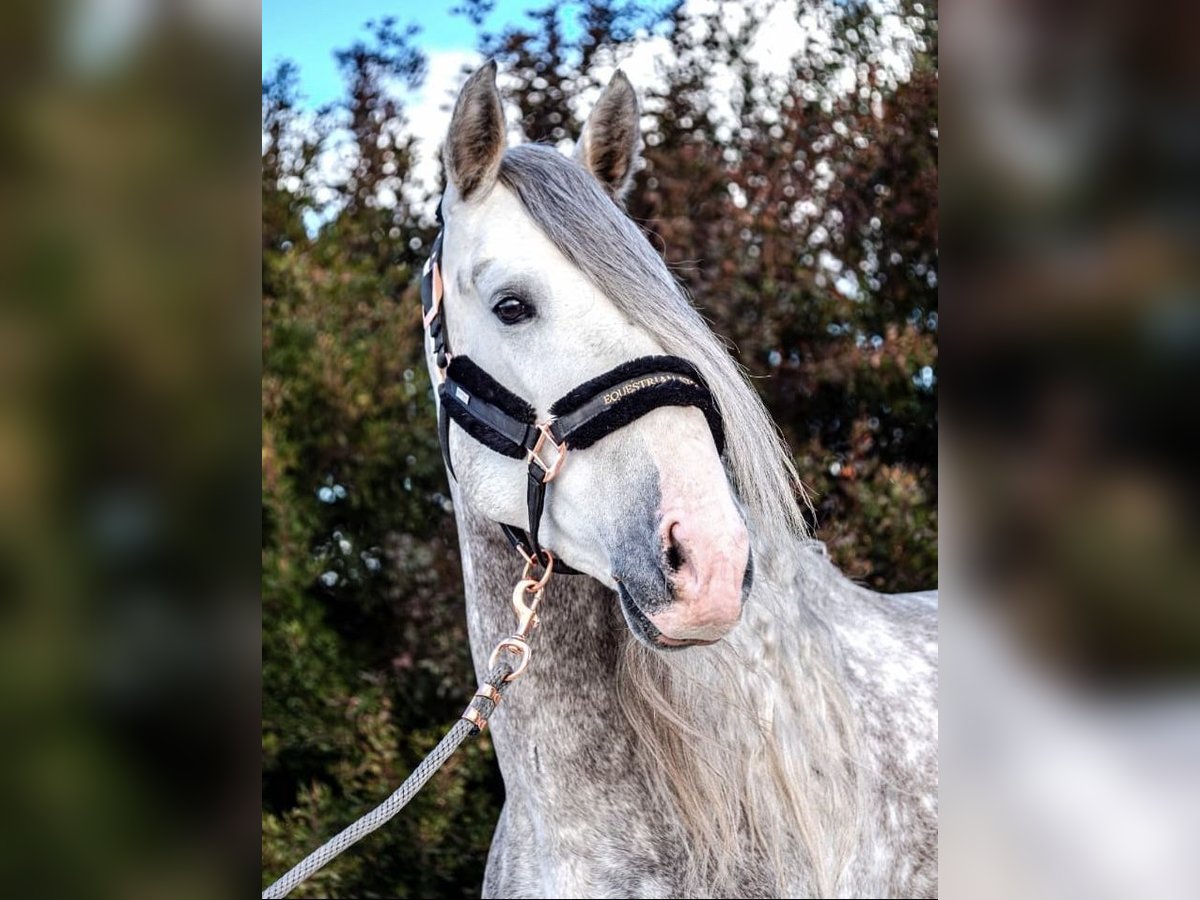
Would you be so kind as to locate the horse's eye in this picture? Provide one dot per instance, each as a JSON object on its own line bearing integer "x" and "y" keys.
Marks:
{"x": 511, "y": 310}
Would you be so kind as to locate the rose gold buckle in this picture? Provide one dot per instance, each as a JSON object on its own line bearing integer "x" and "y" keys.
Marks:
{"x": 441, "y": 370}
{"x": 436, "y": 306}
{"x": 561, "y": 449}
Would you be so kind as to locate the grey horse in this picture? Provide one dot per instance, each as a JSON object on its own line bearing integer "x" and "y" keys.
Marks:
{"x": 711, "y": 709}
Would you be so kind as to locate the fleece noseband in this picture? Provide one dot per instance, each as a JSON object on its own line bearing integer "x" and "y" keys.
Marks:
{"x": 507, "y": 424}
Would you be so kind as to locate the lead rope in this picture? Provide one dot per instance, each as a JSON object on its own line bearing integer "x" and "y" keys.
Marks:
{"x": 503, "y": 672}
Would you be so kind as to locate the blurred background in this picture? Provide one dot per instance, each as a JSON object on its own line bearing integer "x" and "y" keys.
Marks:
{"x": 790, "y": 180}
{"x": 1070, "y": 577}
{"x": 129, "y": 515}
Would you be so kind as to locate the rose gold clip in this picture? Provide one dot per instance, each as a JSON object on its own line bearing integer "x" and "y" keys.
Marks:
{"x": 530, "y": 562}
{"x": 527, "y": 620}
{"x": 517, "y": 643}
{"x": 527, "y": 595}
{"x": 560, "y": 451}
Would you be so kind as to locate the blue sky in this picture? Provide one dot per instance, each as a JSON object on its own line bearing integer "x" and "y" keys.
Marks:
{"x": 308, "y": 31}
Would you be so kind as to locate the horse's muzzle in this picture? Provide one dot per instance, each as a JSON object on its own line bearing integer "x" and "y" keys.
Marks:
{"x": 695, "y": 594}
{"x": 705, "y": 570}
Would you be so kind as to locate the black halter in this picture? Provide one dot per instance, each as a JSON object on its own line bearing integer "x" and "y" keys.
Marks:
{"x": 503, "y": 422}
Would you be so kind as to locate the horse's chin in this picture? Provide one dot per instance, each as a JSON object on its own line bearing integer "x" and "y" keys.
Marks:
{"x": 645, "y": 631}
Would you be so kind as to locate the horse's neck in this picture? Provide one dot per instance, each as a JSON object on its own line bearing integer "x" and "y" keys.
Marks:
{"x": 789, "y": 694}
{"x": 568, "y": 697}
{"x": 576, "y": 648}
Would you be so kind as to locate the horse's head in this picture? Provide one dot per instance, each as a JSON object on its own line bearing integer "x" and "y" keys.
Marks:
{"x": 547, "y": 284}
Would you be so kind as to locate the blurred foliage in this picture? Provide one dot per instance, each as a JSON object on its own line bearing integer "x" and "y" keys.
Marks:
{"x": 128, "y": 373}
{"x": 802, "y": 219}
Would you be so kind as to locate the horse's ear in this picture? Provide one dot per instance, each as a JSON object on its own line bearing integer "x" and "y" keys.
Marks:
{"x": 476, "y": 139}
{"x": 608, "y": 147}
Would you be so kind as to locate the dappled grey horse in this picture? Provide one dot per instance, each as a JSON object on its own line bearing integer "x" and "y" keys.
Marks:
{"x": 791, "y": 748}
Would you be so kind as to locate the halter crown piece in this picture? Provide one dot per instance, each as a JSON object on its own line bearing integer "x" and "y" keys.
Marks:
{"x": 507, "y": 424}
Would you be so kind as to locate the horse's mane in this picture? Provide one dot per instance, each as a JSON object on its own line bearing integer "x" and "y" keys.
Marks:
{"x": 751, "y": 739}
{"x": 584, "y": 223}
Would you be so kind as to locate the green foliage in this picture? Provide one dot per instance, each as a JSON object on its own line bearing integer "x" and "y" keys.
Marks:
{"x": 806, "y": 231}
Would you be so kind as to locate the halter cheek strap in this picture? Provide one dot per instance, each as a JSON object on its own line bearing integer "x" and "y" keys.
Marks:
{"x": 505, "y": 423}
{"x": 486, "y": 410}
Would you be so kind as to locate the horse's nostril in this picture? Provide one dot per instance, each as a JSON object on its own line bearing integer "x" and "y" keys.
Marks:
{"x": 674, "y": 553}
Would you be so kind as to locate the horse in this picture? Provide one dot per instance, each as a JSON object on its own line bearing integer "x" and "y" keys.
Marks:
{"x": 712, "y": 708}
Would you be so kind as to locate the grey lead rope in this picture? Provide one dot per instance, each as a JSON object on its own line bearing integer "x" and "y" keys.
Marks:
{"x": 483, "y": 705}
